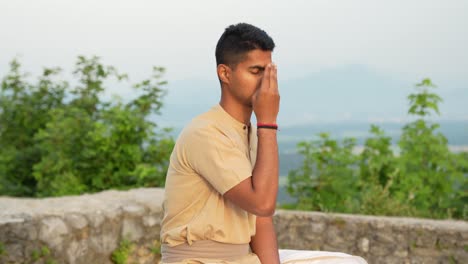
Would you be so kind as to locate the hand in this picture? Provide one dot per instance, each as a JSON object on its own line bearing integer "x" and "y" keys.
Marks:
{"x": 266, "y": 99}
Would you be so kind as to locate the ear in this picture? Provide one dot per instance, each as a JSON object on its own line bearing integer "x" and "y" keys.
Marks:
{"x": 224, "y": 73}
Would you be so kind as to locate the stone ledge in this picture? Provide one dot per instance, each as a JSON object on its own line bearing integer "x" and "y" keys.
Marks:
{"x": 88, "y": 228}
{"x": 86, "y": 203}
{"x": 80, "y": 229}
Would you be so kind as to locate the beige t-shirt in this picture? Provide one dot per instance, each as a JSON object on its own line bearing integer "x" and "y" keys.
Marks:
{"x": 212, "y": 154}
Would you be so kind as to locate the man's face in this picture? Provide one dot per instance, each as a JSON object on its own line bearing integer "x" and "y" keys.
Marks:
{"x": 247, "y": 75}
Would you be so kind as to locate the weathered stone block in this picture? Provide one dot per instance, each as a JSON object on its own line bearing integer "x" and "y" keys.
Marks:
{"x": 96, "y": 219}
{"x": 52, "y": 231}
{"x": 76, "y": 221}
{"x": 363, "y": 244}
{"x": 151, "y": 220}
{"x": 132, "y": 229}
{"x": 133, "y": 210}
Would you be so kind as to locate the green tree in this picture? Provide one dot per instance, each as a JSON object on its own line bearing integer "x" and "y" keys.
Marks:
{"x": 24, "y": 110}
{"x": 327, "y": 179}
{"x": 378, "y": 169}
{"x": 377, "y": 161}
{"x": 460, "y": 202}
{"x": 78, "y": 142}
{"x": 429, "y": 171}
{"x": 424, "y": 180}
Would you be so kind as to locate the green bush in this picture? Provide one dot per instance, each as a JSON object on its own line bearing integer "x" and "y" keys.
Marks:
{"x": 56, "y": 140}
{"x": 424, "y": 179}
{"x": 429, "y": 171}
{"x": 327, "y": 180}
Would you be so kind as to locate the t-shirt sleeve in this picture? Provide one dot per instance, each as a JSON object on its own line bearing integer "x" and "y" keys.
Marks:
{"x": 215, "y": 157}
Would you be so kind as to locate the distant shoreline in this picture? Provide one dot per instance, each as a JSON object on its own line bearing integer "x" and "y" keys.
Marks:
{"x": 358, "y": 149}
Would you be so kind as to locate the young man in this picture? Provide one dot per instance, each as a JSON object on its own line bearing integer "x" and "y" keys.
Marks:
{"x": 222, "y": 182}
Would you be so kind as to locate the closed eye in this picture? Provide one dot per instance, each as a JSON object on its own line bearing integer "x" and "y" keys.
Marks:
{"x": 256, "y": 69}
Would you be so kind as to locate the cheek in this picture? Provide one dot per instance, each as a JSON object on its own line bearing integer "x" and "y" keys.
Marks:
{"x": 254, "y": 83}
{"x": 250, "y": 81}
{"x": 257, "y": 81}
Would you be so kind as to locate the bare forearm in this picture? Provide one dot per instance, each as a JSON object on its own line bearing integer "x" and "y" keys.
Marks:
{"x": 265, "y": 173}
{"x": 264, "y": 243}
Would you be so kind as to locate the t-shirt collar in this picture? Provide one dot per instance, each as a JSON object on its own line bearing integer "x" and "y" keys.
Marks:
{"x": 241, "y": 127}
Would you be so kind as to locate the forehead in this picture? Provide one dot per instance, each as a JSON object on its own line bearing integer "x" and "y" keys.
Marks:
{"x": 256, "y": 57}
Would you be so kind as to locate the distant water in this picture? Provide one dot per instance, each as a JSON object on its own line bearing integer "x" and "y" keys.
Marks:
{"x": 456, "y": 133}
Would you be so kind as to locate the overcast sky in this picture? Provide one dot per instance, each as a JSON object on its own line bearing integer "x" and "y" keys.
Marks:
{"x": 403, "y": 39}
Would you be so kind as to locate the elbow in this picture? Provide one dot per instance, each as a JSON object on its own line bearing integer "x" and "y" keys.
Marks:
{"x": 265, "y": 210}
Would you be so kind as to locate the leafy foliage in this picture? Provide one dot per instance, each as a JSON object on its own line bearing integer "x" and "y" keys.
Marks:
{"x": 57, "y": 140}
{"x": 2, "y": 249}
{"x": 43, "y": 255}
{"x": 429, "y": 172}
{"x": 424, "y": 179}
{"x": 326, "y": 181}
{"x": 121, "y": 254}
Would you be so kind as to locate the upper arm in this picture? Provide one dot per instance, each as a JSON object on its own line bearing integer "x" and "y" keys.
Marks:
{"x": 216, "y": 158}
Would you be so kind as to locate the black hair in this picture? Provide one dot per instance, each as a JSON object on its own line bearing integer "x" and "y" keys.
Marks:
{"x": 239, "y": 39}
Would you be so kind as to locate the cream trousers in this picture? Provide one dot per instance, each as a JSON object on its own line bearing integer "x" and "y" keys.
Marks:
{"x": 211, "y": 252}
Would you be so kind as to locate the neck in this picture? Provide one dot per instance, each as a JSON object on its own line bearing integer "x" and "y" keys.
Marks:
{"x": 238, "y": 111}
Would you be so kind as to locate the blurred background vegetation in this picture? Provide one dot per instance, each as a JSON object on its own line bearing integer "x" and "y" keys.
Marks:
{"x": 56, "y": 140}
{"x": 60, "y": 140}
{"x": 424, "y": 179}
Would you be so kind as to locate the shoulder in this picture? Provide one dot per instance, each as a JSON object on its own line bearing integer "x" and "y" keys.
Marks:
{"x": 205, "y": 128}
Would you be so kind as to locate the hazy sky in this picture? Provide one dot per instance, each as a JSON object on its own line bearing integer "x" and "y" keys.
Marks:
{"x": 404, "y": 39}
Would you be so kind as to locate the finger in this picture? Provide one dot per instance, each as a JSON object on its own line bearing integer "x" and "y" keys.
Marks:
{"x": 266, "y": 78}
{"x": 274, "y": 78}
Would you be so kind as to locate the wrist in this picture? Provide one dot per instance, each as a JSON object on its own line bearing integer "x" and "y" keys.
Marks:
{"x": 266, "y": 121}
{"x": 267, "y": 126}
{"x": 266, "y": 132}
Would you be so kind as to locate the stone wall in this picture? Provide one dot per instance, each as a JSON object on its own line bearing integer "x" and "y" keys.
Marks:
{"x": 81, "y": 229}
{"x": 93, "y": 228}
{"x": 377, "y": 239}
